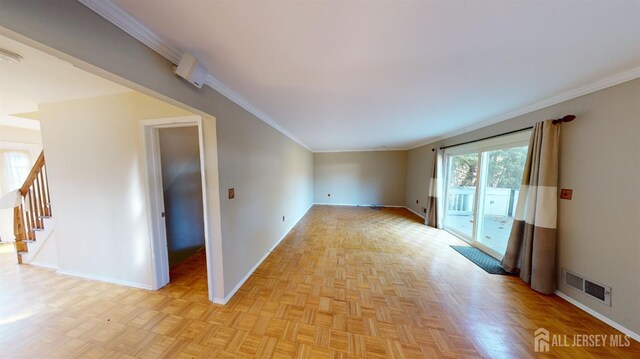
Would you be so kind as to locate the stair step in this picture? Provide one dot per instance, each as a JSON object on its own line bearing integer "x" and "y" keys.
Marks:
{"x": 36, "y": 229}
{"x": 44, "y": 217}
{"x": 28, "y": 240}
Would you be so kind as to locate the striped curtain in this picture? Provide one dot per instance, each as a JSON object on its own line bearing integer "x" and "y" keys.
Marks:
{"x": 431, "y": 217}
{"x": 531, "y": 250}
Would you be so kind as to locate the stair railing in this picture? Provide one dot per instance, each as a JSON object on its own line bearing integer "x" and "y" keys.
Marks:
{"x": 35, "y": 205}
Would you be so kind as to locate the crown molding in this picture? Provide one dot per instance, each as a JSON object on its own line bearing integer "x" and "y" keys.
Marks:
{"x": 554, "y": 100}
{"x": 240, "y": 101}
{"x": 384, "y": 149}
{"x": 129, "y": 24}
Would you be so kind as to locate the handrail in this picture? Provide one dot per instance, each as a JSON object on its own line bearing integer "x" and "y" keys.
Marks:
{"x": 37, "y": 166}
{"x": 34, "y": 206}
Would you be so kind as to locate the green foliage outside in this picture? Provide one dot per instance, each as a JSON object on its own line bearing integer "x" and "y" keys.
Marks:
{"x": 464, "y": 170}
{"x": 504, "y": 168}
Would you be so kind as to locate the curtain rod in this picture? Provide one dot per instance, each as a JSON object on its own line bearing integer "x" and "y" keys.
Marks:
{"x": 567, "y": 118}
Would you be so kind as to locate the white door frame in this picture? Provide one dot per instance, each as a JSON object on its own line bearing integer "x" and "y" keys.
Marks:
{"x": 155, "y": 199}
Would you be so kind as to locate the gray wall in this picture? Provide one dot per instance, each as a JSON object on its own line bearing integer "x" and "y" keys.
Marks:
{"x": 597, "y": 230}
{"x": 364, "y": 178}
{"x": 272, "y": 175}
{"x": 182, "y": 190}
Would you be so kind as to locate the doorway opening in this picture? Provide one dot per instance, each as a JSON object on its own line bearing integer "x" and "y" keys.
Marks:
{"x": 174, "y": 154}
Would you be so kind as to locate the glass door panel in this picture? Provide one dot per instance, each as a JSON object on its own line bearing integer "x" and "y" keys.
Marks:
{"x": 461, "y": 191}
{"x": 499, "y": 188}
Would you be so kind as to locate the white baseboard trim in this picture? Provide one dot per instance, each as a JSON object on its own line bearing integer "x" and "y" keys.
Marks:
{"x": 358, "y": 205}
{"x": 220, "y": 301}
{"x": 626, "y": 331}
{"x": 369, "y": 205}
{"x": 414, "y": 212}
{"x": 105, "y": 279}
{"x": 250, "y": 272}
{"x": 43, "y": 266}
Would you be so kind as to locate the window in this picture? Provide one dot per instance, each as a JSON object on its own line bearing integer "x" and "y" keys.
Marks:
{"x": 482, "y": 183}
{"x": 17, "y": 165}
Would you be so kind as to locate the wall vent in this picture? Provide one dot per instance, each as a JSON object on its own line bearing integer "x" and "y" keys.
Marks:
{"x": 596, "y": 290}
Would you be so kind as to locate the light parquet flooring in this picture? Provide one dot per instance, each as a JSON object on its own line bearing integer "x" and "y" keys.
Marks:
{"x": 346, "y": 283}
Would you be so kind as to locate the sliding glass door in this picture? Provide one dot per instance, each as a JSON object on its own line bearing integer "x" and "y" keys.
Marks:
{"x": 461, "y": 194}
{"x": 482, "y": 185}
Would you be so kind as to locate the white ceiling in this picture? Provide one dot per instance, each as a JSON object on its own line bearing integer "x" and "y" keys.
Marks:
{"x": 40, "y": 78}
{"x": 356, "y": 75}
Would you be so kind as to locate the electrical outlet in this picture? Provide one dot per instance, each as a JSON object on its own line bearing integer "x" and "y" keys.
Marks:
{"x": 566, "y": 194}
{"x": 232, "y": 193}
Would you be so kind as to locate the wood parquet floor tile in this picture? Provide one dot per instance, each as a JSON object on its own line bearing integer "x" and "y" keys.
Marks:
{"x": 347, "y": 282}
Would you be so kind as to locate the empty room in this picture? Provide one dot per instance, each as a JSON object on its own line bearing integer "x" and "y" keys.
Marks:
{"x": 319, "y": 179}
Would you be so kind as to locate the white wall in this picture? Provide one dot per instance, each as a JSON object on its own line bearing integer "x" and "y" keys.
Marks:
{"x": 599, "y": 157}
{"x": 97, "y": 184}
{"x": 360, "y": 178}
{"x": 20, "y": 135}
{"x": 272, "y": 174}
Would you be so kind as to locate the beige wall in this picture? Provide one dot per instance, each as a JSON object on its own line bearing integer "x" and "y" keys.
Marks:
{"x": 597, "y": 230}
{"x": 362, "y": 178}
{"x": 20, "y": 135}
{"x": 272, "y": 174}
{"x": 419, "y": 166}
{"x": 97, "y": 183}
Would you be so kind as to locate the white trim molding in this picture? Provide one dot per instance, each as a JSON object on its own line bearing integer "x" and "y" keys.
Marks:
{"x": 129, "y": 24}
{"x": 104, "y": 279}
{"x": 369, "y": 205}
{"x": 626, "y": 331}
{"x": 358, "y": 205}
{"x": 414, "y": 212}
{"x": 155, "y": 205}
{"x": 233, "y": 291}
{"x": 553, "y": 100}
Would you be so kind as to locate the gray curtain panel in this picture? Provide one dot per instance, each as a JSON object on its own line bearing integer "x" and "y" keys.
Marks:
{"x": 431, "y": 217}
{"x": 531, "y": 249}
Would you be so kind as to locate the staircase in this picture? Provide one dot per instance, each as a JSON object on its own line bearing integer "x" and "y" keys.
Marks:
{"x": 35, "y": 206}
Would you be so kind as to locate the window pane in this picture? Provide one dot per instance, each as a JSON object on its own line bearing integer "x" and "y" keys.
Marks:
{"x": 503, "y": 176}
{"x": 461, "y": 188}
{"x": 16, "y": 169}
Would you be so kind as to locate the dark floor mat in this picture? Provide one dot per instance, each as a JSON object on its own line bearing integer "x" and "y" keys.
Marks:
{"x": 482, "y": 260}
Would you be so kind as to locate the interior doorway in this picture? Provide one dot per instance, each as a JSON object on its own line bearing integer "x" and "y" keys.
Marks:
{"x": 174, "y": 154}
{"x": 182, "y": 192}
